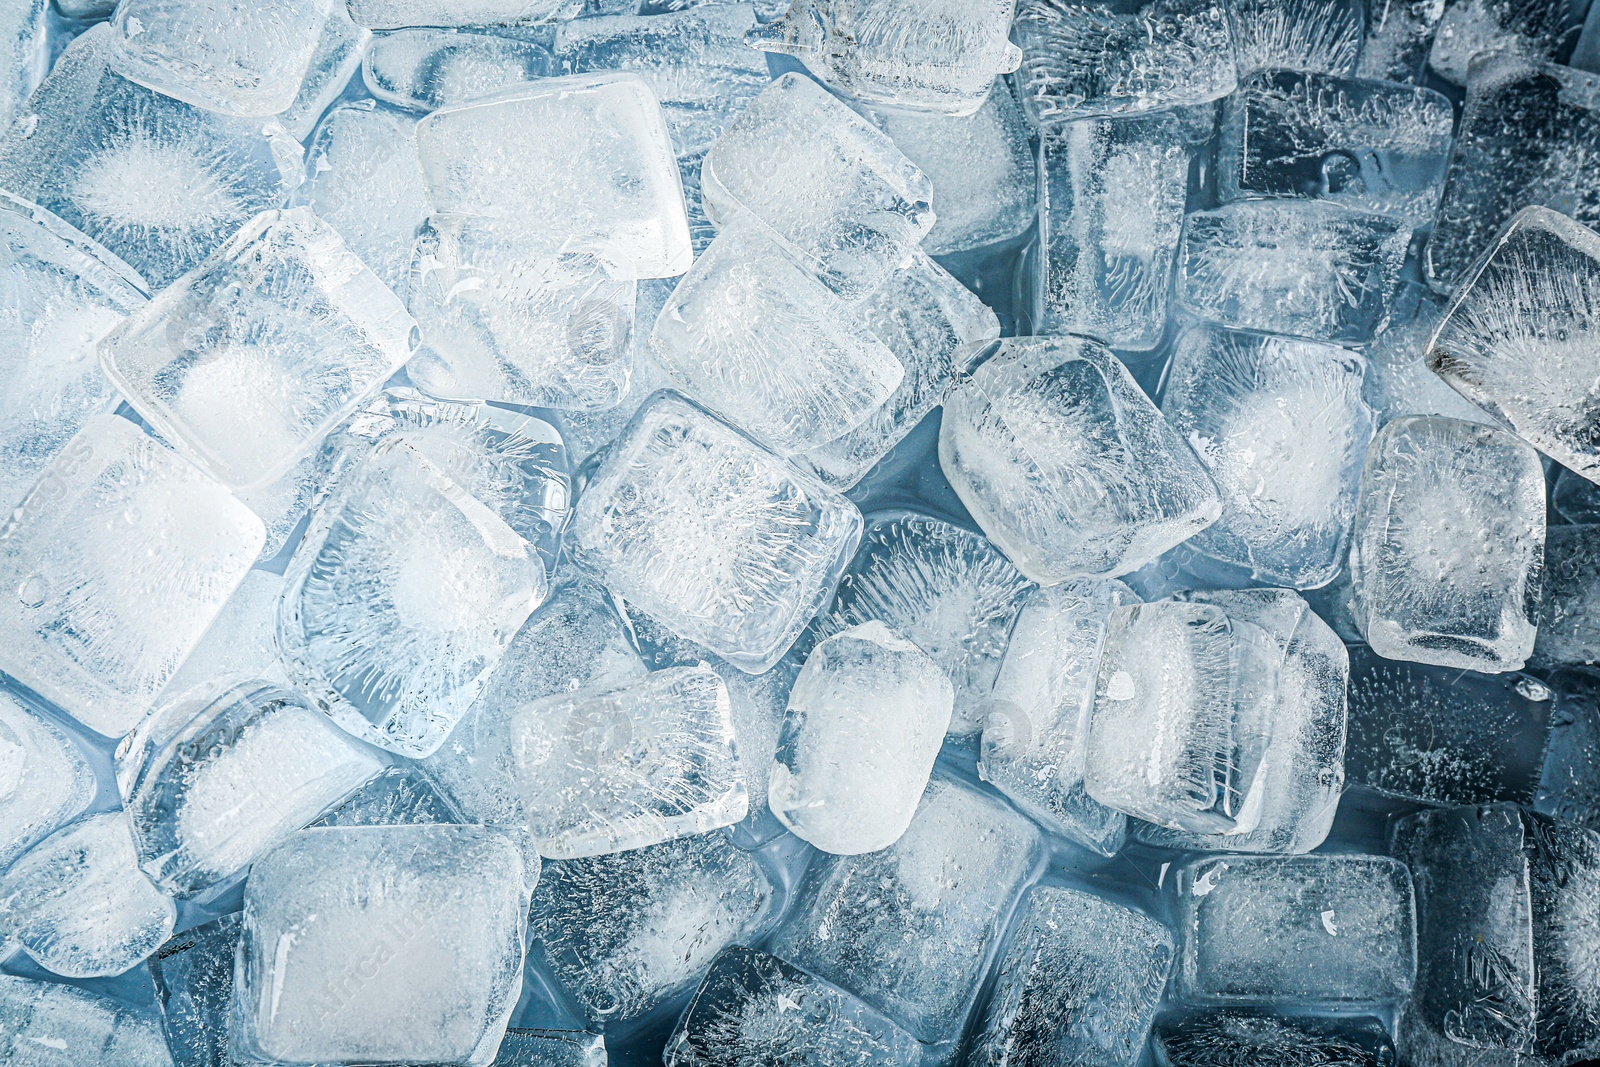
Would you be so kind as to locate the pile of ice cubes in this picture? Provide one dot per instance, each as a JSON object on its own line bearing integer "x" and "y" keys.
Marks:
{"x": 853, "y": 533}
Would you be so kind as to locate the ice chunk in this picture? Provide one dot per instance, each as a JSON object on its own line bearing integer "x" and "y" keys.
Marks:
{"x": 755, "y": 1008}
{"x": 212, "y": 780}
{"x": 583, "y": 163}
{"x": 63, "y": 293}
{"x": 159, "y": 182}
{"x": 1323, "y": 36}
{"x": 426, "y": 69}
{"x": 193, "y": 976}
{"x": 282, "y": 503}
{"x": 925, "y": 56}
{"x": 45, "y": 781}
{"x": 1569, "y": 609}
{"x": 603, "y": 770}
{"x": 551, "y": 1048}
{"x": 1365, "y": 144}
{"x": 240, "y": 643}
{"x": 1569, "y": 783}
{"x": 1241, "y": 1039}
{"x": 1112, "y": 193}
{"x": 1575, "y": 498}
{"x": 826, "y": 180}
{"x": 1309, "y": 269}
{"x": 25, "y": 54}
{"x": 1089, "y": 60}
{"x": 78, "y": 904}
{"x": 1448, "y": 544}
{"x": 718, "y": 540}
{"x": 1399, "y": 34}
{"x": 911, "y": 929}
{"x": 1398, "y": 381}
{"x": 337, "y": 57}
{"x": 1529, "y": 29}
{"x": 393, "y": 944}
{"x": 404, "y": 795}
{"x": 119, "y": 558}
{"x": 391, "y": 14}
{"x": 1282, "y": 428}
{"x": 1067, "y": 465}
{"x": 86, "y": 9}
{"x": 755, "y": 338}
{"x": 866, "y": 719}
{"x": 626, "y": 932}
{"x": 43, "y": 1024}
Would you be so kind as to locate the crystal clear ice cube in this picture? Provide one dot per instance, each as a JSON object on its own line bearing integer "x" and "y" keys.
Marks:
{"x": 45, "y": 781}
{"x": 43, "y": 1024}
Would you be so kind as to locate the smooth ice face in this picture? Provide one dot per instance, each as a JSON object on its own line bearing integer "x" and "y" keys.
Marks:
{"x": 1112, "y": 193}
{"x": 911, "y": 929}
{"x": 46, "y": 1024}
{"x": 1521, "y": 335}
{"x": 718, "y": 540}
{"x": 44, "y": 780}
{"x": 193, "y": 978}
{"x": 1569, "y": 607}
{"x": 1307, "y": 269}
{"x": 625, "y": 932}
{"x": 1526, "y": 29}
{"x": 1078, "y": 983}
{"x": 334, "y": 62}
{"x": 1229, "y": 1038}
{"x": 612, "y": 769}
{"x": 755, "y": 338}
{"x": 213, "y": 780}
{"x": 1323, "y": 36}
{"x": 866, "y": 719}
{"x": 78, "y": 904}
{"x": 1398, "y": 381}
{"x": 1067, "y": 465}
{"x": 63, "y": 293}
{"x": 424, "y": 69}
{"x": 583, "y": 163}
{"x": 242, "y": 641}
{"x": 1370, "y": 145}
{"x": 1282, "y": 428}
{"x": 940, "y": 56}
{"x": 1108, "y": 59}
{"x": 233, "y": 56}
{"x": 160, "y": 183}
{"x": 401, "y": 598}
{"x": 1448, "y": 545}
{"x": 834, "y": 187}
{"x": 391, "y": 14}
{"x": 119, "y": 559}
{"x": 381, "y": 945}
{"x": 755, "y": 1008}
{"x": 1036, "y": 722}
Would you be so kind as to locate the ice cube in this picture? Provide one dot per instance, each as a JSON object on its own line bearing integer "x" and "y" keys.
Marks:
{"x": 911, "y": 929}
{"x": 1399, "y": 34}
{"x": 212, "y": 780}
{"x": 1309, "y": 269}
{"x": 193, "y": 976}
{"x": 1366, "y": 144}
{"x": 241, "y": 642}
{"x": 551, "y": 1048}
{"x": 1067, "y": 465}
{"x": 1323, "y": 36}
{"x": 588, "y": 432}
{"x": 755, "y": 1008}
{"x": 425, "y": 69}
{"x": 159, "y": 182}
{"x": 827, "y": 181}
{"x": 391, "y": 14}
{"x": 119, "y": 558}
{"x": 1569, "y": 783}
{"x": 1530, "y": 29}
{"x": 1575, "y": 498}
{"x": 45, "y": 782}
{"x": 282, "y": 503}
{"x": 1036, "y": 720}
{"x": 25, "y": 56}
{"x": 335, "y": 61}
{"x": 86, "y": 9}
{"x": 404, "y": 795}
{"x": 626, "y": 932}
{"x": 391, "y": 944}
{"x": 1282, "y": 428}
{"x": 1236, "y": 1038}
{"x": 43, "y": 1024}
{"x": 63, "y": 293}
{"x": 583, "y": 163}
{"x": 1569, "y": 608}
{"x": 402, "y": 598}
{"x": 924, "y": 56}
{"x": 604, "y": 770}
{"x": 78, "y": 904}
{"x": 1398, "y": 381}
{"x": 1448, "y": 544}
{"x": 718, "y": 540}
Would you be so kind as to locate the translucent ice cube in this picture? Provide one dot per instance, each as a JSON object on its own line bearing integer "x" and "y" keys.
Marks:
{"x": 390, "y": 14}
{"x": 1398, "y": 381}
{"x": 44, "y": 1024}
{"x": 241, "y": 642}
{"x": 193, "y": 977}
{"x": 25, "y": 54}
{"x": 1399, "y": 34}
{"x": 1569, "y": 608}
{"x": 45, "y": 781}
{"x": 1237, "y": 1038}
{"x": 551, "y": 1048}
{"x": 1575, "y": 498}
{"x": 1569, "y": 782}
{"x": 334, "y": 62}
{"x": 404, "y": 795}
{"x": 425, "y": 69}
{"x": 1323, "y": 36}
{"x": 1531, "y": 29}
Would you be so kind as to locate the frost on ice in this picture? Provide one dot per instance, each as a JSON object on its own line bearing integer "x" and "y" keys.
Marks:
{"x": 1322, "y": 36}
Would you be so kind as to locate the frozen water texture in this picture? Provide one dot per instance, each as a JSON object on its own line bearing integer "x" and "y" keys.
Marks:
{"x": 924, "y": 56}
{"x": 425, "y": 69}
{"x": 1036, "y": 723}
{"x": 866, "y": 719}
{"x": 62, "y": 294}
{"x": 551, "y": 1048}
{"x": 119, "y": 559}
{"x": 1370, "y": 145}
{"x": 391, "y": 14}
{"x": 590, "y": 151}
{"x": 1322, "y": 36}
{"x": 754, "y": 1008}
{"x": 335, "y": 61}
{"x": 1282, "y": 428}
{"x": 603, "y": 770}
{"x": 1564, "y": 886}
{"x": 25, "y": 53}
{"x": 1399, "y": 35}
{"x": 78, "y": 904}
{"x": 912, "y": 928}
{"x": 193, "y": 978}
{"x": 249, "y": 361}
{"x": 43, "y": 1024}
{"x": 1527, "y": 29}
{"x": 1569, "y": 783}
{"x": 1112, "y": 193}
{"x": 160, "y": 183}
{"x": 1067, "y": 465}
{"x": 1575, "y": 498}
{"x": 45, "y": 781}
{"x": 1090, "y": 60}
{"x": 625, "y": 932}
{"x": 1569, "y": 609}
{"x": 1249, "y": 1039}
{"x": 404, "y": 795}
{"x": 233, "y": 56}
{"x": 716, "y": 539}
{"x": 832, "y": 185}
{"x": 1398, "y": 381}
{"x": 401, "y": 599}
{"x": 1448, "y": 545}
{"x": 212, "y": 780}
{"x": 1308, "y": 269}
{"x": 1520, "y": 337}
{"x": 395, "y": 944}
{"x": 281, "y": 504}
{"x": 241, "y": 642}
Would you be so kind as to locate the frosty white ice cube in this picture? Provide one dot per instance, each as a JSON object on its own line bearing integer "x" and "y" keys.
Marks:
{"x": 425, "y": 68}
{"x": 54, "y": 1025}
{"x": 45, "y": 781}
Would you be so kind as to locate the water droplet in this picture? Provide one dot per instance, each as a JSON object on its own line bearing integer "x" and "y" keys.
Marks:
{"x": 33, "y": 591}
